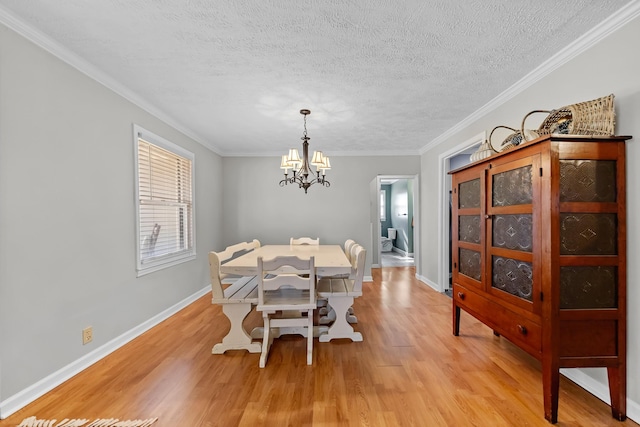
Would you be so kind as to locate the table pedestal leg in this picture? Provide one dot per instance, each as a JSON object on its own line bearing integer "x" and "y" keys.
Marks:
{"x": 341, "y": 328}
{"x": 237, "y": 338}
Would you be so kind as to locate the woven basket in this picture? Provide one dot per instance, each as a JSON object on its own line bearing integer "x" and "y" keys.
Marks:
{"x": 510, "y": 141}
{"x": 595, "y": 117}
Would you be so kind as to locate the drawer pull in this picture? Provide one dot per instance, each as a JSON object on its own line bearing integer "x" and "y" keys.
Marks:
{"x": 522, "y": 329}
{"x": 461, "y": 295}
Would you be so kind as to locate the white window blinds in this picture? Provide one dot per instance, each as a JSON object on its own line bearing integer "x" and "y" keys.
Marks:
{"x": 164, "y": 203}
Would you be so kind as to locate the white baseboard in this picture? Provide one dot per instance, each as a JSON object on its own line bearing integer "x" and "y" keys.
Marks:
{"x": 600, "y": 390}
{"x": 31, "y": 393}
{"x": 402, "y": 252}
{"x": 429, "y": 283}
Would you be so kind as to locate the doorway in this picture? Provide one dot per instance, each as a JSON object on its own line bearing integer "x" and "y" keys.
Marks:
{"x": 455, "y": 158}
{"x": 394, "y": 221}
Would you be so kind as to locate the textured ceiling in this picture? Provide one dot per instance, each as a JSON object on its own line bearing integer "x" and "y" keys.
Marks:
{"x": 379, "y": 76}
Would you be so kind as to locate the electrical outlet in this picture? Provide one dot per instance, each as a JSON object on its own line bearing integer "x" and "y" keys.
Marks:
{"x": 87, "y": 335}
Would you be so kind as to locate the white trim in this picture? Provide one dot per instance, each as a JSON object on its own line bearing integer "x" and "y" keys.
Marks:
{"x": 444, "y": 185}
{"x": 599, "y": 390}
{"x": 589, "y": 39}
{"x": 428, "y": 282}
{"x": 379, "y": 153}
{"x": 34, "y": 391}
{"x": 402, "y": 252}
{"x": 147, "y": 135}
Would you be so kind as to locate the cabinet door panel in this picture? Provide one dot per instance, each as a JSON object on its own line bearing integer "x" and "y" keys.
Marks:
{"x": 588, "y": 287}
{"x": 588, "y": 181}
{"x": 512, "y": 232}
{"x": 469, "y": 228}
{"x": 470, "y": 263}
{"x": 512, "y": 276}
{"x": 469, "y": 194}
{"x": 588, "y": 234}
{"x": 512, "y": 187}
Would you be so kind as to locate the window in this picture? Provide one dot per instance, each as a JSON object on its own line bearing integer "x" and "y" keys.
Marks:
{"x": 383, "y": 205}
{"x": 164, "y": 202}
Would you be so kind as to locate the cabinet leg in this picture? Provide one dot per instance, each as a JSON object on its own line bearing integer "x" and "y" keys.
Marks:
{"x": 456, "y": 320}
{"x": 551, "y": 388}
{"x": 618, "y": 392}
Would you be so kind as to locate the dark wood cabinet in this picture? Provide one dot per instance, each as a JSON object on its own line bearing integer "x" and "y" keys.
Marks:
{"x": 539, "y": 255}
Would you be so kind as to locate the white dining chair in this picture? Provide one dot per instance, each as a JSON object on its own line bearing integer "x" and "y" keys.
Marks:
{"x": 323, "y": 305}
{"x": 304, "y": 241}
{"x": 352, "y": 281}
{"x": 348, "y": 244}
{"x": 290, "y": 295}
{"x": 341, "y": 294}
{"x": 237, "y": 298}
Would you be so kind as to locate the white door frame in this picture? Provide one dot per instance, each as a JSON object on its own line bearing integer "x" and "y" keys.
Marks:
{"x": 444, "y": 184}
{"x": 375, "y": 215}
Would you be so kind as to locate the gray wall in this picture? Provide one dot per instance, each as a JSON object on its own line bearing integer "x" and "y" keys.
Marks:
{"x": 611, "y": 66}
{"x": 256, "y": 207}
{"x": 67, "y": 216}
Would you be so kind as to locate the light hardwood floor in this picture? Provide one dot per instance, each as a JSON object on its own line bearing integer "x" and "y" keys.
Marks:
{"x": 409, "y": 371}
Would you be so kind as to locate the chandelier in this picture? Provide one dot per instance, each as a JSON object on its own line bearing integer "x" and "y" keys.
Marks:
{"x": 301, "y": 167}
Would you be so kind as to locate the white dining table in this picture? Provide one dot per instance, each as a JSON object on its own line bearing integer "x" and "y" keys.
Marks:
{"x": 329, "y": 260}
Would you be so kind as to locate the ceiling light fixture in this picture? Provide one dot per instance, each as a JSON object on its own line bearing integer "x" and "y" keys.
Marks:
{"x": 302, "y": 167}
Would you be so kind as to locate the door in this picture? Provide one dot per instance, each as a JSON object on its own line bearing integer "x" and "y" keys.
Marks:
{"x": 511, "y": 230}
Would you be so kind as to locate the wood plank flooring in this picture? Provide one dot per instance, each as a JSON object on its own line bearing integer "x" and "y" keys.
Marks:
{"x": 409, "y": 371}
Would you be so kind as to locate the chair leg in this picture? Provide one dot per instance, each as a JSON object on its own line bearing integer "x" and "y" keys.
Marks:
{"x": 310, "y": 339}
{"x": 267, "y": 339}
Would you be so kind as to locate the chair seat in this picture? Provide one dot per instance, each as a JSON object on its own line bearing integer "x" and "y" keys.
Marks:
{"x": 336, "y": 286}
{"x": 286, "y": 299}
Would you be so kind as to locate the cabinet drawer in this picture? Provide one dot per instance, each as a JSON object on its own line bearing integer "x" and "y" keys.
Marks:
{"x": 523, "y": 332}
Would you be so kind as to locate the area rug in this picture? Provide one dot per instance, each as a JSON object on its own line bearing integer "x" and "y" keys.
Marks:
{"x": 78, "y": 422}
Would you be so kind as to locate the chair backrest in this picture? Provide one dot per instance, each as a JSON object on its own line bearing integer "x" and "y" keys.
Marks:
{"x": 357, "y": 265}
{"x": 348, "y": 244}
{"x": 216, "y": 259}
{"x": 304, "y": 241}
{"x": 276, "y": 273}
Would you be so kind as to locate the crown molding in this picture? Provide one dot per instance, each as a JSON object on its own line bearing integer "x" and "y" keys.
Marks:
{"x": 48, "y": 44}
{"x": 588, "y": 40}
{"x": 388, "y": 153}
